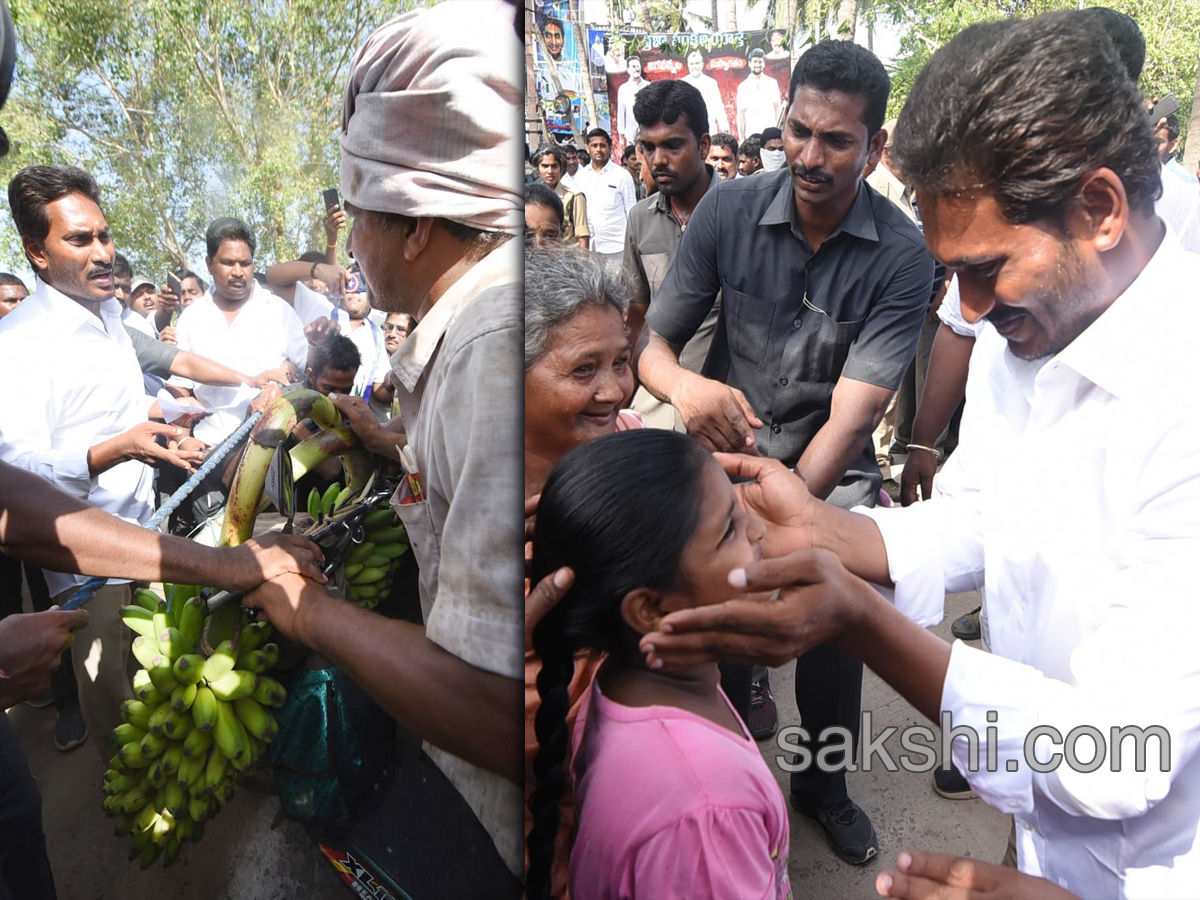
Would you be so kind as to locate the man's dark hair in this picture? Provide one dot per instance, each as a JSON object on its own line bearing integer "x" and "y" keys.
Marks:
{"x": 1172, "y": 126}
{"x": 539, "y": 195}
{"x": 569, "y": 148}
{"x": 35, "y": 187}
{"x": 850, "y": 69}
{"x": 757, "y": 53}
{"x": 550, "y": 150}
{"x": 227, "y": 228}
{"x": 200, "y": 281}
{"x": 7, "y": 278}
{"x": 721, "y": 139}
{"x": 1025, "y": 110}
{"x": 312, "y": 256}
{"x": 121, "y": 267}
{"x": 1123, "y": 31}
{"x": 665, "y": 101}
{"x": 601, "y": 133}
{"x": 336, "y": 352}
{"x": 751, "y": 147}
{"x": 547, "y": 21}
{"x": 480, "y": 243}
{"x": 771, "y": 134}
{"x": 630, "y": 152}
{"x": 633, "y": 56}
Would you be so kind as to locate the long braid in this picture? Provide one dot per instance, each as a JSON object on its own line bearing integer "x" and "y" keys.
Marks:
{"x": 550, "y": 764}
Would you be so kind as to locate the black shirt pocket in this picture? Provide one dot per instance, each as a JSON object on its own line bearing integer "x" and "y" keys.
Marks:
{"x": 748, "y": 320}
{"x": 827, "y": 344}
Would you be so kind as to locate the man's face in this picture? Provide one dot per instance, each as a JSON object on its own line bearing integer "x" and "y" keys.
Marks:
{"x": 675, "y": 158}
{"x": 776, "y": 41}
{"x": 122, "y": 285}
{"x": 827, "y": 146}
{"x": 232, "y": 270}
{"x": 748, "y": 165}
{"x": 11, "y": 296}
{"x": 331, "y": 381}
{"x": 374, "y": 247}
{"x": 1039, "y": 289}
{"x": 756, "y": 65}
{"x": 191, "y": 292}
{"x": 554, "y": 40}
{"x": 599, "y": 150}
{"x": 695, "y": 64}
{"x": 550, "y": 171}
{"x": 634, "y": 68}
{"x": 721, "y": 158}
{"x": 143, "y": 303}
{"x": 633, "y": 164}
{"x": 774, "y": 144}
{"x": 542, "y": 228}
{"x": 395, "y": 330}
{"x": 356, "y": 305}
{"x": 1166, "y": 146}
{"x": 572, "y": 161}
{"x": 77, "y": 254}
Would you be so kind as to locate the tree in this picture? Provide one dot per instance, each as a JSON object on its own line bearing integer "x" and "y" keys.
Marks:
{"x": 1191, "y": 152}
{"x": 189, "y": 109}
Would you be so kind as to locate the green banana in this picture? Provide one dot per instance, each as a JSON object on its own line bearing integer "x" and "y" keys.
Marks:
{"x": 189, "y": 668}
{"x": 132, "y": 800}
{"x": 191, "y": 619}
{"x": 137, "y": 713}
{"x": 368, "y": 576}
{"x": 189, "y": 772}
{"x": 389, "y": 535}
{"x": 154, "y": 745}
{"x": 146, "y": 599}
{"x": 361, "y": 552}
{"x": 379, "y": 517}
{"x": 172, "y": 848}
{"x": 145, "y": 648}
{"x": 158, "y": 717}
{"x": 162, "y": 829}
{"x": 122, "y": 783}
{"x": 328, "y": 497}
{"x": 230, "y": 735}
{"x": 132, "y": 756}
{"x": 156, "y": 777}
{"x": 183, "y": 697}
{"x": 199, "y": 808}
{"x": 172, "y": 758}
{"x": 144, "y": 689}
{"x": 176, "y": 725}
{"x": 162, "y": 675}
{"x": 257, "y": 720}
{"x": 234, "y": 685}
{"x": 352, "y": 571}
{"x": 342, "y": 496}
{"x": 221, "y": 662}
{"x": 176, "y": 799}
{"x": 392, "y": 551}
{"x": 314, "y": 504}
{"x": 138, "y": 618}
{"x": 125, "y": 732}
{"x": 161, "y": 619}
{"x": 270, "y": 692}
{"x": 149, "y": 855}
{"x": 254, "y": 635}
{"x": 376, "y": 561}
{"x": 256, "y": 661}
{"x": 174, "y": 644}
{"x": 197, "y": 743}
{"x": 215, "y": 770}
{"x": 204, "y": 709}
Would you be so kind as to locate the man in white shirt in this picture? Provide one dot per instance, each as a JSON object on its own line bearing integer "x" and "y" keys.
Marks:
{"x": 718, "y": 122}
{"x": 137, "y": 311}
{"x": 1074, "y": 495}
{"x": 79, "y": 419}
{"x": 610, "y": 196}
{"x": 242, "y": 325}
{"x": 626, "y": 94}
{"x": 758, "y": 99}
{"x": 352, "y": 321}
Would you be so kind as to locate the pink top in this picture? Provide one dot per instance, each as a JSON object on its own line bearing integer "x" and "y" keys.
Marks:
{"x": 672, "y": 805}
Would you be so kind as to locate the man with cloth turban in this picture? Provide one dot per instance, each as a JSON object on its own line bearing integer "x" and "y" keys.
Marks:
{"x": 431, "y": 177}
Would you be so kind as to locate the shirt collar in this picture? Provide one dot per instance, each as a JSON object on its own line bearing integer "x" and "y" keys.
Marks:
{"x": 73, "y": 315}
{"x": 663, "y": 204}
{"x": 1103, "y": 353}
{"x": 504, "y": 265}
{"x": 859, "y": 221}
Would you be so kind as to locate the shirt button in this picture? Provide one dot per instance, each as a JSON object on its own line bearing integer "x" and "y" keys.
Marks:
{"x": 775, "y": 429}
{"x": 796, "y": 323}
{"x": 783, "y": 381}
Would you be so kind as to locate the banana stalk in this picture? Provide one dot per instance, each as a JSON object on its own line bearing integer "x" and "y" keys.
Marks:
{"x": 340, "y": 442}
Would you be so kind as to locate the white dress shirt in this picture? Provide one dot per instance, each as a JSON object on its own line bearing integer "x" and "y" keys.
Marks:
{"x": 718, "y": 122}
{"x": 627, "y": 125}
{"x": 265, "y": 332}
{"x": 758, "y": 99}
{"x": 1075, "y": 498}
{"x": 140, "y": 322}
{"x": 610, "y": 196}
{"x": 73, "y": 382}
{"x": 368, "y": 338}
{"x": 309, "y": 305}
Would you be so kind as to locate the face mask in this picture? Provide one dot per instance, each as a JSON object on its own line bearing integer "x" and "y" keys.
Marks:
{"x": 771, "y": 159}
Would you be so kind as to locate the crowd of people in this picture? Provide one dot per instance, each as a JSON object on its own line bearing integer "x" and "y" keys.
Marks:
{"x": 806, "y": 303}
{"x": 130, "y": 383}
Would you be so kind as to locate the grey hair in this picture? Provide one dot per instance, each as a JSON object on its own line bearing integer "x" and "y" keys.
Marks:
{"x": 558, "y": 284}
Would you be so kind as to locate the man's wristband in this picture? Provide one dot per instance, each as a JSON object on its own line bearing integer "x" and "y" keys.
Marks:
{"x": 331, "y": 246}
{"x": 932, "y": 450}
{"x": 312, "y": 273}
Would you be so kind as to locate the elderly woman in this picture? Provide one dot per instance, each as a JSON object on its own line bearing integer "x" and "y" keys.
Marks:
{"x": 544, "y": 217}
{"x": 578, "y": 373}
{"x": 578, "y": 378}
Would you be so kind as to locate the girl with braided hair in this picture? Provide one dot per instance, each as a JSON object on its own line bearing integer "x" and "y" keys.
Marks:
{"x": 673, "y": 797}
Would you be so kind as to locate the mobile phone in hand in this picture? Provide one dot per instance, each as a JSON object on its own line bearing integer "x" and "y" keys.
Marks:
{"x": 330, "y": 196}
{"x": 175, "y": 284}
{"x": 1167, "y": 106}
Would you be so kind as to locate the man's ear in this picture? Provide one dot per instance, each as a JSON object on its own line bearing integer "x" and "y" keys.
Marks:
{"x": 875, "y": 151}
{"x": 641, "y": 610}
{"x": 1100, "y": 211}
{"x": 416, "y": 238}
{"x": 35, "y": 252}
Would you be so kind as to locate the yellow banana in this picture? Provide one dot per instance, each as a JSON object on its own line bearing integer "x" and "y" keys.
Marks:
{"x": 138, "y": 619}
{"x": 234, "y": 685}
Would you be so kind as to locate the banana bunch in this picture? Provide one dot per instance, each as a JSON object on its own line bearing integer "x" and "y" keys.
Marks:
{"x": 321, "y": 506}
{"x": 197, "y": 723}
{"x": 370, "y": 566}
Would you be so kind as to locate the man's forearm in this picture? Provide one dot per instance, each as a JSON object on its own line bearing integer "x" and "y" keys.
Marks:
{"x": 453, "y": 705}
{"x": 830, "y": 453}
{"x": 855, "y": 540}
{"x": 205, "y": 370}
{"x": 635, "y": 318}
{"x": 945, "y": 385}
{"x": 657, "y": 364}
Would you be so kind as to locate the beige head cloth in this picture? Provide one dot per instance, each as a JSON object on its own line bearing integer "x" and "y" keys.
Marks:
{"x": 429, "y": 123}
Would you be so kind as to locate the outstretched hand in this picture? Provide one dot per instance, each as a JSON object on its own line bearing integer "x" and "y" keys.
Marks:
{"x": 268, "y": 556}
{"x": 31, "y": 648}
{"x": 778, "y": 496}
{"x": 939, "y": 876}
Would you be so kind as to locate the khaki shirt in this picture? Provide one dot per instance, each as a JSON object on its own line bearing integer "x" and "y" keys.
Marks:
{"x": 460, "y": 395}
{"x": 575, "y": 224}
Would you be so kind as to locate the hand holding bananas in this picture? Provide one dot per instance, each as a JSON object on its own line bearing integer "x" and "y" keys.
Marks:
{"x": 31, "y": 647}
{"x": 197, "y": 721}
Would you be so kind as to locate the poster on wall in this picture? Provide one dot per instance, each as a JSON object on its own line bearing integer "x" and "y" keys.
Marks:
{"x": 742, "y": 75}
{"x": 577, "y": 71}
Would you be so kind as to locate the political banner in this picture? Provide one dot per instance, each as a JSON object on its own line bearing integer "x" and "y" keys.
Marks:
{"x": 576, "y": 72}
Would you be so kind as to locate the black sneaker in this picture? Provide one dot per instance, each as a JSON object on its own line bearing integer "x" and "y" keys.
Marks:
{"x": 44, "y": 699}
{"x": 69, "y": 729}
{"x": 951, "y": 785}
{"x": 764, "y": 717}
{"x": 966, "y": 628}
{"x": 849, "y": 830}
